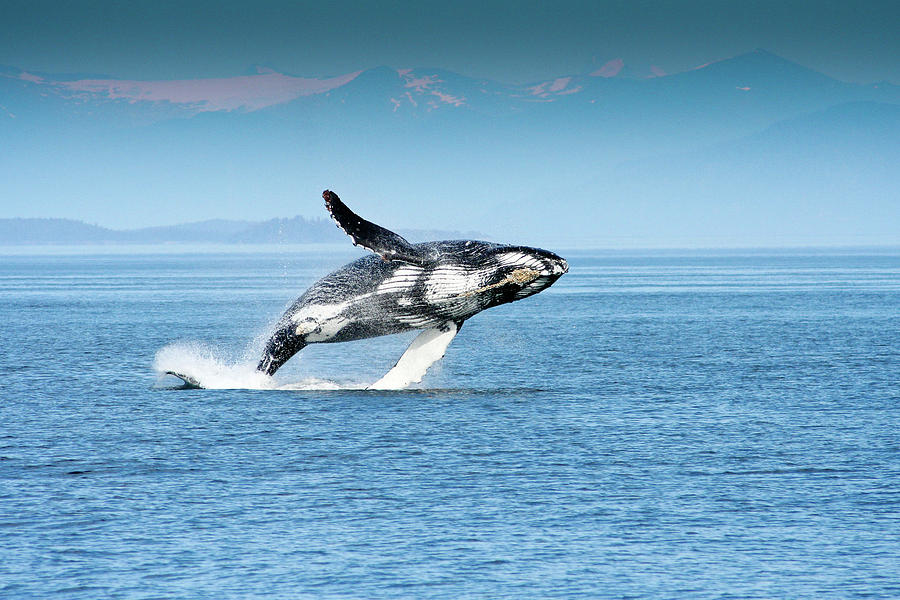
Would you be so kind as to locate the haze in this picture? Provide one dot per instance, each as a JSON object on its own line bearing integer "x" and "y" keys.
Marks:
{"x": 433, "y": 116}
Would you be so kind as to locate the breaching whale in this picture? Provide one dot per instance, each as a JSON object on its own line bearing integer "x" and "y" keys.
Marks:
{"x": 430, "y": 286}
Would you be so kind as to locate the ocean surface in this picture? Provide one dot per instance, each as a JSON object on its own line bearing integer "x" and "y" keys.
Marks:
{"x": 655, "y": 425}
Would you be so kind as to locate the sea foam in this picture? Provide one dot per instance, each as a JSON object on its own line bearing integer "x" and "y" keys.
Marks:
{"x": 205, "y": 365}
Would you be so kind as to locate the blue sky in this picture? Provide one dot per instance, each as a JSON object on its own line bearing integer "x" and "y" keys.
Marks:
{"x": 510, "y": 41}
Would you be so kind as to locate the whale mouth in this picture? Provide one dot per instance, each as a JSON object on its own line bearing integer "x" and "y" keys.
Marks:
{"x": 560, "y": 267}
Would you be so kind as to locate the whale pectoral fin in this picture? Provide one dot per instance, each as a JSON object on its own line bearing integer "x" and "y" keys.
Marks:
{"x": 428, "y": 347}
{"x": 383, "y": 242}
{"x": 189, "y": 382}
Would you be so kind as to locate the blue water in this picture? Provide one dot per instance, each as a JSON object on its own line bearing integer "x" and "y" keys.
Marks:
{"x": 656, "y": 425}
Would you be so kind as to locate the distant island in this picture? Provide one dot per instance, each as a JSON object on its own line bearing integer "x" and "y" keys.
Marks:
{"x": 296, "y": 230}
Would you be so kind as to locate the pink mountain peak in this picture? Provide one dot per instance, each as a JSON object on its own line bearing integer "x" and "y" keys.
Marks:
{"x": 449, "y": 98}
{"x": 248, "y": 92}
{"x": 559, "y": 84}
{"x": 427, "y": 85}
{"x": 24, "y": 76}
{"x": 420, "y": 84}
{"x": 610, "y": 69}
{"x": 556, "y": 86}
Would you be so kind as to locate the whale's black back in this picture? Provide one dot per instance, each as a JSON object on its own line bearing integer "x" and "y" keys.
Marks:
{"x": 384, "y": 297}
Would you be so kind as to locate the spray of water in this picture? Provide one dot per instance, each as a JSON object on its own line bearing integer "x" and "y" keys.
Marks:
{"x": 205, "y": 365}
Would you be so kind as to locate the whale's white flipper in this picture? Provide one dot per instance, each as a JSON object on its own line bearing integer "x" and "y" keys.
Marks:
{"x": 191, "y": 382}
{"x": 428, "y": 347}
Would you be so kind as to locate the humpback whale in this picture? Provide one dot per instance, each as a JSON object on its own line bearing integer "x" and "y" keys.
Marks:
{"x": 429, "y": 286}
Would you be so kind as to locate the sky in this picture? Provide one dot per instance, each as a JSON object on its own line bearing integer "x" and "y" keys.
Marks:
{"x": 646, "y": 179}
{"x": 508, "y": 41}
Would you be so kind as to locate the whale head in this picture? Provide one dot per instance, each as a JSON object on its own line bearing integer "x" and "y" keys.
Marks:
{"x": 528, "y": 270}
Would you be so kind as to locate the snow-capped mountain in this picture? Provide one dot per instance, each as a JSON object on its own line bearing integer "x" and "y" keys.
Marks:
{"x": 757, "y": 75}
{"x": 401, "y": 137}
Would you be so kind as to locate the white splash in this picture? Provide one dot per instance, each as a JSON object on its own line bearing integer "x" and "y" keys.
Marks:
{"x": 204, "y": 365}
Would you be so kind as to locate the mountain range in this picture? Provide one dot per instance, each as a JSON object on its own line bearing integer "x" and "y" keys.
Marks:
{"x": 769, "y": 85}
{"x": 296, "y": 230}
{"x": 754, "y": 149}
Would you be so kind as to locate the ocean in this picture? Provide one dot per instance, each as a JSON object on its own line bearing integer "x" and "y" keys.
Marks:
{"x": 655, "y": 425}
